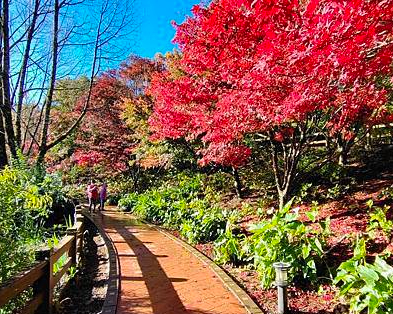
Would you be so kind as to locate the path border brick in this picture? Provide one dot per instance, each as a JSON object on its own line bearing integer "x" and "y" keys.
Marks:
{"x": 112, "y": 293}
{"x": 228, "y": 282}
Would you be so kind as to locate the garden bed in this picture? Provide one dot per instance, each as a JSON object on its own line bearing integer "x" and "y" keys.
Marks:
{"x": 349, "y": 217}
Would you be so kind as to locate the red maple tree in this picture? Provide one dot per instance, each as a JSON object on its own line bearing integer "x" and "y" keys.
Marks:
{"x": 115, "y": 122}
{"x": 103, "y": 137}
{"x": 266, "y": 67}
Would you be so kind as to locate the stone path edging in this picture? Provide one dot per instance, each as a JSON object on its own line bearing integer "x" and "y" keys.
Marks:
{"x": 112, "y": 293}
{"x": 228, "y": 282}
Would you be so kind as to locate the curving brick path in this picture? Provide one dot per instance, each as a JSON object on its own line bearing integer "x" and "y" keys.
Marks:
{"x": 160, "y": 276}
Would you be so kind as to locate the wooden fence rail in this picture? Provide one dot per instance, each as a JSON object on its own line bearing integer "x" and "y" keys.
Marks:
{"x": 41, "y": 277}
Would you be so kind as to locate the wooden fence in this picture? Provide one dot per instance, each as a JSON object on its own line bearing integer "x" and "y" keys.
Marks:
{"x": 381, "y": 134}
{"x": 41, "y": 277}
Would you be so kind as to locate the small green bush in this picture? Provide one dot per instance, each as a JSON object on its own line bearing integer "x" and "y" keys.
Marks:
{"x": 284, "y": 238}
{"x": 30, "y": 201}
{"x": 183, "y": 207}
{"x": 128, "y": 202}
{"x": 75, "y": 192}
{"x": 379, "y": 220}
{"x": 204, "y": 223}
{"x": 22, "y": 203}
{"x": 366, "y": 286}
{"x": 228, "y": 247}
{"x": 26, "y": 198}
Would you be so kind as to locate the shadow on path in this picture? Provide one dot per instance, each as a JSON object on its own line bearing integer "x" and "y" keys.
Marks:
{"x": 162, "y": 296}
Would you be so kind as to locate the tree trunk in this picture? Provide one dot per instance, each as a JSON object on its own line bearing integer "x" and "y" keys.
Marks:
{"x": 3, "y": 147}
{"x": 48, "y": 101}
{"x": 238, "y": 184}
{"x": 343, "y": 148}
{"x": 284, "y": 191}
{"x": 368, "y": 141}
{"x": 284, "y": 176}
{"x": 281, "y": 199}
{"x": 3, "y": 143}
{"x": 22, "y": 75}
{"x": 6, "y": 106}
{"x": 343, "y": 157}
{"x": 285, "y": 170}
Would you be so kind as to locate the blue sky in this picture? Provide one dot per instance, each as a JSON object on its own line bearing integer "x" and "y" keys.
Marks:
{"x": 156, "y": 31}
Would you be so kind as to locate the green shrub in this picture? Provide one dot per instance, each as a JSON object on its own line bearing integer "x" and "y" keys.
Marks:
{"x": 75, "y": 192}
{"x": 152, "y": 206}
{"x": 220, "y": 181}
{"x": 183, "y": 207}
{"x": 128, "y": 202}
{"x": 366, "y": 286}
{"x": 30, "y": 201}
{"x": 118, "y": 187}
{"x": 337, "y": 191}
{"x": 228, "y": 247}
{"x": 284, "y": 238}
{"x": 379, "y": 220}
{"x": 22, "y": 202}
{"x": 203, "y": 223}
{"x": 307, "y": 192}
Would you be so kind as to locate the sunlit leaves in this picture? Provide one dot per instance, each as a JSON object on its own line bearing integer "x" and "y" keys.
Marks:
{"x": 22, "y": 203}
{"x": 250, "y": 66}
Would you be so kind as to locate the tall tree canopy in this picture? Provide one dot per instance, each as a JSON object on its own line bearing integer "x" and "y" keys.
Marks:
{"x": 115, "y": 123}
{"x": 278, "y": 68}
{"x": 42, "y": 42}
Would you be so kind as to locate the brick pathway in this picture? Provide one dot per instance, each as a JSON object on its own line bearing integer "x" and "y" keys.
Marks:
{"x": 159, "y": 276}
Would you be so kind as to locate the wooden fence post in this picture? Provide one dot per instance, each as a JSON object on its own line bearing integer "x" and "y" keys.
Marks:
{"x": 44, "y": 284}
{"x": 74, "y": 249}
{"x": 78, "y": 213}
{"x": 80, "y": 232}
{"x": 81, "y": 240}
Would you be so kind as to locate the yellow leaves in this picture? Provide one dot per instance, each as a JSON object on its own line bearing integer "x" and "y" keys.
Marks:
{"x": 152, "y": 160}
{"x": 136, "y": 113}
{"x": 18, "y": 193}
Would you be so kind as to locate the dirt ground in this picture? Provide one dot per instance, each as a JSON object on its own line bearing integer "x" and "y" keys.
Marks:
{"x": 85, "y": 293}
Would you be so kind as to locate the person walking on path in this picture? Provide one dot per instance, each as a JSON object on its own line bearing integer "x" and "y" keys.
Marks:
{"x": 92, "y": 195}
{"x": 102, "y": 195}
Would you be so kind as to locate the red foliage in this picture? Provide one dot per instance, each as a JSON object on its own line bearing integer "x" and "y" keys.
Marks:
{"x": 87, "y": 159}
{"x": 249, "y": 66}
{"x": 103, "y": 137}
